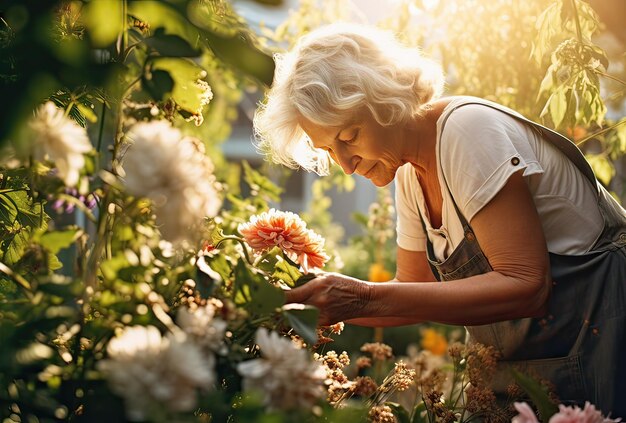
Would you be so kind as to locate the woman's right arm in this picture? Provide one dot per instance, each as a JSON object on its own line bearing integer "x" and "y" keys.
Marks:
{"x": 411, "y": 266}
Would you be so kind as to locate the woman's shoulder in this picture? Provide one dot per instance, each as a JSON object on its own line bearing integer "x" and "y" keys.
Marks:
{"x": 473, "y": 116}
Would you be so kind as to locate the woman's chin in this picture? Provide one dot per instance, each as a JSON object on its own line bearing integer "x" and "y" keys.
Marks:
{"x": 380, "y": 181}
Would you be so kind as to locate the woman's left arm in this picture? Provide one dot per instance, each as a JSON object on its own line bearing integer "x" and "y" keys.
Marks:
{"x": 510, "y": 234}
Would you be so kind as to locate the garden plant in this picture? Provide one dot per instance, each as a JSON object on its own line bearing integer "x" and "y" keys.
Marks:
{"x": 142, "y": 274}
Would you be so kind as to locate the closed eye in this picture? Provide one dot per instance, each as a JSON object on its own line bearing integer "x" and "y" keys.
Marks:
{"x": 351, "y": 140}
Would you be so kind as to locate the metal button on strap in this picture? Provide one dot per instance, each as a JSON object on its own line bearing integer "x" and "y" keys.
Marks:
{"x": 470, "y": 236}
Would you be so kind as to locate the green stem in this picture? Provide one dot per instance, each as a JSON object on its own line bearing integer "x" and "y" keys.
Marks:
{"x": 614, "y": 78}
{"x": 100, "y": 135}
{"x": 602, "y": 131}
{"x": 68, "y": 109}
{"x": 239, "y": 240}
{"x": 14, "y": 204}
{"x": 124, "y": 26}
{"x": 79, "y": 204}
{"x": 96, "y": 253}
{"x": 17, "y": 278}
{"x": 579, "y": 32}
{"x": 7, "y": 190}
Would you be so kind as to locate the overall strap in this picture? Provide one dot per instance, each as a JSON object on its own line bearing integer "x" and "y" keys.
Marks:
{"x": 571, "y": 151}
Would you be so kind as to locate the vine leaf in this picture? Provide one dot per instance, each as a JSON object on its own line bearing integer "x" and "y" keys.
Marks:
{"x": 303, "y": 319}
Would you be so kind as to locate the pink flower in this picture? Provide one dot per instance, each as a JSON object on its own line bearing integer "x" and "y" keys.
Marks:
{"x": 526, "y": 414}
{"x": 589, "y": 414}
{"x": 287, "y": 231}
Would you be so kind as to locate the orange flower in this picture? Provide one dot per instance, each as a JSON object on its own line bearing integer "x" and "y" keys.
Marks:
{"x": 576, "y": 133}
{"x": 378, "y": 273}
{"x": 287, "y": 231}
{"x": 434, "y": 342}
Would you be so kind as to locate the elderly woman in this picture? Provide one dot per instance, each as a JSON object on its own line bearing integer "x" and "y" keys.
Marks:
{"x": 506, "y": 212}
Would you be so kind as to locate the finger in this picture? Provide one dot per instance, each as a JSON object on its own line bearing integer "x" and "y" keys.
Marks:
{"x": 297, "y": 295}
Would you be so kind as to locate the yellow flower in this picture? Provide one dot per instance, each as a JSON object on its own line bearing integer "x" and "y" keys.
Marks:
{"x": 434, "y": 342}
{"x": 378, "y": 273}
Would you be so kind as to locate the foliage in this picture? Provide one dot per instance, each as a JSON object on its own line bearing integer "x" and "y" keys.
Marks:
{"x": 158, "y": 61}
{"x": 102, "y": 316}
{"x": 561, "y": 83}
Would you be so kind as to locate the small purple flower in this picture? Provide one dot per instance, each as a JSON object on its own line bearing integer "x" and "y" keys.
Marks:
{"x": 91, "y": 201}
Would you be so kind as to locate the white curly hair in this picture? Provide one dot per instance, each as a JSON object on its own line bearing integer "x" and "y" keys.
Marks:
{"x": 332, "y": 74}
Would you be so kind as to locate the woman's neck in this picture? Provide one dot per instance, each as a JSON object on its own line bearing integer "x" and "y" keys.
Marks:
{"x": 421, "y": 139}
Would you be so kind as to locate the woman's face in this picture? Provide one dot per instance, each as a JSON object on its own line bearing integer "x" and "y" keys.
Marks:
{"x": 364, "y": 147}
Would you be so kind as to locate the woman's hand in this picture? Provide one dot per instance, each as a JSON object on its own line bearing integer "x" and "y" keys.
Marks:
{"x": 338, "y": 297}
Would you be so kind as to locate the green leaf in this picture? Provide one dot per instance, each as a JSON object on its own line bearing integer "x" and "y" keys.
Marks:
{"x": 286, "y": 272}
{"x": 260, "y": 183}
{"x": 112, "y": 266}
{"x": 54, "y": 263}
{"x": 558, "y": 107}
{"x": 237, "y": 50}
{"x": 169, "y": 45}
{"x": 87, "y": 112}
{"x": 257, "y": 295}
{"x": 219, "y": 264}
{"x": 184, "y": 73}
{"x": 8, "y": 212}
{"x": 159, "y": 84}
{"x": 602, "y": 167}
{"x": 399, "y": 411}
{"x": 305, "y": 278}
{"x": 417, "y": 413}
{"x": 104, "y": 21}
{"x": 538, "y": 395}
{"x": 303, "y": 320}
{"x": 57, "y": 240}
{"x": 15, "y": 247}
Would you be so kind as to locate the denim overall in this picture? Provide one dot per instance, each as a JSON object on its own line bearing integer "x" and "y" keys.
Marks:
{"x": 580, "y": 344}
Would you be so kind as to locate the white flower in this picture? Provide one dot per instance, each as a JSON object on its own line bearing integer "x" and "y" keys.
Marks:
{"x": 61, "y": 140}
{"x": 285, "y": 375}
{"x": 148, "y": 370}
{"x": 202, "y": 325}
{"x": 175, "y": 174}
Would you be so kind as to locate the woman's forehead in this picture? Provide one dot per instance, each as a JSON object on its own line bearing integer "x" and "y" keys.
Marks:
{"x": 321, "y": 134}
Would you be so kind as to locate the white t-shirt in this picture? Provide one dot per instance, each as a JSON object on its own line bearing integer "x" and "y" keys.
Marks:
{"x": 480, "y": 149}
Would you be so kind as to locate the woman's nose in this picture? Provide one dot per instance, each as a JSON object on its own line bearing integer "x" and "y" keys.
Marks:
{"x": 347, "y": 161}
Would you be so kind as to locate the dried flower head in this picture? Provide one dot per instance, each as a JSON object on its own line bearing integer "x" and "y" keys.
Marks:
{"x": 381, "y": 414}
{"x": 337, "y": 328}
{"x": 173, "y": 172}
{"x": 288, "y": 232}
{"x": 285, "y": 375}
{"x": 334, "y": 361}
{"x": 480, "y": 399}
{"x": 481, "y": 363}
{"x": 363, "y": 362}
{"x": 61, "y": 140}
{"x": 403, "y": 377}
{"x": 364, "y": 386}
{"x": 378, "y": 350}
{"x": 149, "y": 370}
